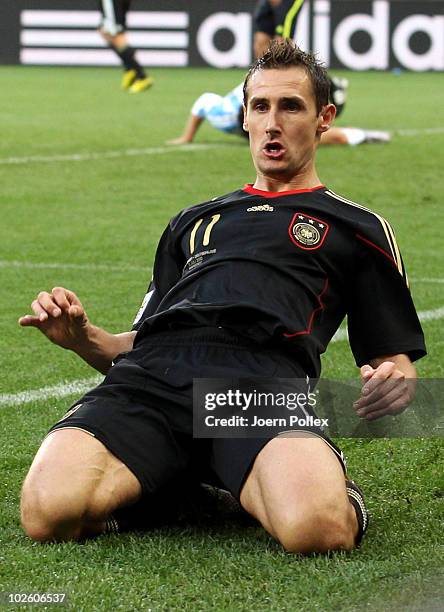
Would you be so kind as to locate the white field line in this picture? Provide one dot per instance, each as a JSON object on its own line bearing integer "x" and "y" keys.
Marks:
{"x": 419, "y": 132}
{"x": 424, "y": 316}
{"x": 57, "y": 391}
{"x": 56, "y": 265}
{"x": 80, "y": 386}
{"x": 438, "y": 281}
{"x": 88, "y": 156}
{"x": 70, "y": 266}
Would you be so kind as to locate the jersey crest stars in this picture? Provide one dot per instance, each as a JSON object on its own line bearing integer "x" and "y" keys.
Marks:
{"x": 307, "y": 232}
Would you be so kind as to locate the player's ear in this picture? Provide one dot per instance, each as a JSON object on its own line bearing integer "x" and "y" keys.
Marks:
{"x": 245, "y": 122}
{"x": 326, "y": 117}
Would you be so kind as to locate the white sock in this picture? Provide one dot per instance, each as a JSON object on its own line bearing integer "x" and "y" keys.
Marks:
{"x": 354, "y": 135}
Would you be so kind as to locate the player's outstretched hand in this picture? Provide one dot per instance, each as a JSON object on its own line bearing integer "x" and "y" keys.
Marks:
{"x": 385, "y": 391}
{"x": 178, "y": 141}
{"x": 60, "y": 316}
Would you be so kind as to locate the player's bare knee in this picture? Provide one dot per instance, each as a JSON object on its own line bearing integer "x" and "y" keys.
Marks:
{"x": 317, "y": 531}
{"x": 46, "y": 515}
{"x": 336, "y": 534}
{"x": 53, "y": 511}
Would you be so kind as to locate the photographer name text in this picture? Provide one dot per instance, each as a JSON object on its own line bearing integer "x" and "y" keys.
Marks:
{"x": 243, "y": 421}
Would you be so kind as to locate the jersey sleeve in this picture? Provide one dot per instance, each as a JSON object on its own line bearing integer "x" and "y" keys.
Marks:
{"x": 167, "y": 271}
{"x": 382, "y": 318}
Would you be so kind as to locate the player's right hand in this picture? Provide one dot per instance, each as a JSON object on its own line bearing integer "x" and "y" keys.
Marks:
{"x": 60, "y": 316}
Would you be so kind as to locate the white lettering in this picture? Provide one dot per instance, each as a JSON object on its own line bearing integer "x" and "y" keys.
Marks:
{"x": 221, "y": 399}
{"x": 433, "y": 59}
{"x": 309, "y": 421}
{"x": 321, "y": 30}
{"x": 272, "y": 422}
{"x": 377, "y": 27}
{"x": 233, "y": 421}
{"x": 247, "y": 400}
{"x": 240, "y": 26}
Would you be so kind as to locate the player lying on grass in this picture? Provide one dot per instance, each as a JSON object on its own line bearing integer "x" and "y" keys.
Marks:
{"x": 251, "y": 284}
{"x": 225, "y": 113}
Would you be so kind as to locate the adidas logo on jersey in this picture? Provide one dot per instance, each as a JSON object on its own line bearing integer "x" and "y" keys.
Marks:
{"x": 261, "y": 208}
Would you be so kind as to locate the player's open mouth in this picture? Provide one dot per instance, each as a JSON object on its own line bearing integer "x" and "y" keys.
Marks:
{"x": 274, "y": 150}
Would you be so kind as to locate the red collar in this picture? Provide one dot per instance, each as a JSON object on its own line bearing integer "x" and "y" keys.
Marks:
{"x": 275, "y": 194}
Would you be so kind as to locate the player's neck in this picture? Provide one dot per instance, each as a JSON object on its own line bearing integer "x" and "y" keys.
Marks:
{"x": 282, "y": 183}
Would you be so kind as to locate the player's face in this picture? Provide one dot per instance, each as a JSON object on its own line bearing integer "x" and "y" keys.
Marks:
{"x": 283, "y": 123}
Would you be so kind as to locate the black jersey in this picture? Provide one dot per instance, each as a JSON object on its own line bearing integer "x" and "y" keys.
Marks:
{"x": 283, "y": 269}
{"x": 277, "y": 20}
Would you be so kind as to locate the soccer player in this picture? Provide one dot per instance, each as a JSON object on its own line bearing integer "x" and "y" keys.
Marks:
{"x": 251, "y": 284}
{"x": 274, "y": 18}
{"x": 277, "y": 19}
{"x": 112, "y": 30}
{"x": 225, "y": 113}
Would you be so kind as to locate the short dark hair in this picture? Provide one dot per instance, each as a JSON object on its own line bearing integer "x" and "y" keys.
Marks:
{"x": 284, "y": 53}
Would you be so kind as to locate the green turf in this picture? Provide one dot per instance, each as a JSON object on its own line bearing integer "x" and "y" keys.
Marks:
{"x": 57, "y": 217}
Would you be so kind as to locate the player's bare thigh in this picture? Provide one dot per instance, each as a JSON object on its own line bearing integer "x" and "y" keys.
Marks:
{"x": 296, "y": 489}
{"x": 74, "y": 483}
{"x": 118, "y": 40}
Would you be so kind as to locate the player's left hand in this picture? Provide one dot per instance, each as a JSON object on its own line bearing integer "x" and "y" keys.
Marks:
{"x": 385, "y": 391}
{"x": 178, "y": 141}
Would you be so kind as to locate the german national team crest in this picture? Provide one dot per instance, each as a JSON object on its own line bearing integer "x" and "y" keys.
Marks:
{"x": 307, "y": 232}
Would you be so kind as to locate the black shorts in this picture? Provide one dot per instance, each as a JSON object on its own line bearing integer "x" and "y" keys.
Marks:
{"x": 271, "y": 20}
{"x": 263, "y": 18}
{"x": 114, "y": 15}
{"x": 143, "y": 410}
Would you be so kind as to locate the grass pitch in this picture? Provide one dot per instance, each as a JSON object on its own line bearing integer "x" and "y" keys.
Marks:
{"x": 83, "y": 206}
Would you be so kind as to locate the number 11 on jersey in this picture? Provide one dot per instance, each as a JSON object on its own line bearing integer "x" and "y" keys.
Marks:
{"x": 207, "y": 234}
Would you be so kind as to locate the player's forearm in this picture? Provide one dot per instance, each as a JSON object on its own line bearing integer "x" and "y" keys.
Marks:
{"x": 401, "y": 361}
{"x": 101, "y": 347}
{"x": 191, "y": 128}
